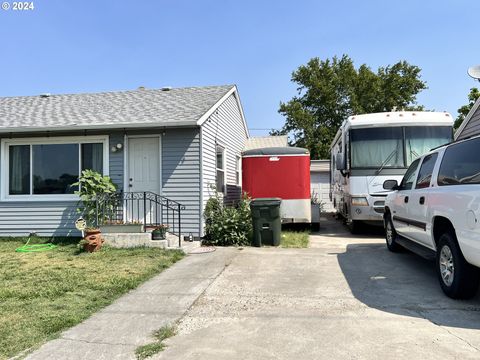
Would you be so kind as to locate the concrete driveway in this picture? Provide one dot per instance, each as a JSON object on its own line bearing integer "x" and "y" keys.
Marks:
{"x": 346, "y": 297}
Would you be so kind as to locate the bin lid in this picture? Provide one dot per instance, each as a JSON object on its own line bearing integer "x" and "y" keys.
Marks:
{"x": 266, "y": 202}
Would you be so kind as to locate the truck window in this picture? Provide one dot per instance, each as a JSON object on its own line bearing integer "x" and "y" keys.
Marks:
{"x": 460, "y": 164}
{"x": 426, "y": 170}
{"x": 409, "y": 176}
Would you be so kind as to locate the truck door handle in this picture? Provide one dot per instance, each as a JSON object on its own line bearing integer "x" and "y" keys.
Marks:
{"x": 406, "y": 199}
{"x": 422, "y": 200}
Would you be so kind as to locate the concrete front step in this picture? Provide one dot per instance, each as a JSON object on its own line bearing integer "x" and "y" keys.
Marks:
{"x": 128, "y": 240}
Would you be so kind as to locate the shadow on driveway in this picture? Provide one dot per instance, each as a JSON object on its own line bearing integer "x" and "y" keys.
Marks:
{"x": 403, "y": 284}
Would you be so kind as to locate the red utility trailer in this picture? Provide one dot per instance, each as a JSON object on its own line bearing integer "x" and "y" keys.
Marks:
{"x": 281, "y": 172}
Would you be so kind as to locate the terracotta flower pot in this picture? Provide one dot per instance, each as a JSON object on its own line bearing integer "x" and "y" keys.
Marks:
{"x": 94, "y": 240}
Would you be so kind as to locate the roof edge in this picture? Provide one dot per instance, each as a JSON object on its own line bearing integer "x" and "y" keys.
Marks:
{"x": 215, "y": 106}
{"x": 96, "y": 127}
{"x": 465, "y": 121}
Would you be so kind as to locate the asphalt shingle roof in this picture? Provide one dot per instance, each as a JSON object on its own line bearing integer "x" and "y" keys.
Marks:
{"x": 177, "y": 106}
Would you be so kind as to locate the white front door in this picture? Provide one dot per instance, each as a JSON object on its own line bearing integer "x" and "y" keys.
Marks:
{"x": 143, "y": 179}
{"x": 144, "y": 164}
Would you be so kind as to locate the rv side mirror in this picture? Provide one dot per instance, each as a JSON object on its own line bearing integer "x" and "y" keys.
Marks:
{"x": 339, "y": 162}
{"x": 390, "y": 185}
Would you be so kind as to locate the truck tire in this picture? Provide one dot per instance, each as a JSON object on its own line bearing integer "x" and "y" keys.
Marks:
{"x": 391, "y": 235}
{"x": 458, "y": 279}
{"x": 355, "y": 227}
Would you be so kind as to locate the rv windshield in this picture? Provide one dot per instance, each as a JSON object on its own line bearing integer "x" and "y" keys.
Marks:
{"x": 385, "y": 147}
{"x": 376, "y": 147}
{"x": 421, "y": 139}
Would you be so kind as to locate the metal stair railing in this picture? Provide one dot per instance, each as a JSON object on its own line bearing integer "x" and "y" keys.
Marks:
{"x": 142, "y": 207}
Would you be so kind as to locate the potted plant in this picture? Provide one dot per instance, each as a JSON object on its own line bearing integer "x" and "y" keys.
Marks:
{"x": 92, "y": 240}
{"x": 316, "y": 207}
{"x": 159, "y": 232}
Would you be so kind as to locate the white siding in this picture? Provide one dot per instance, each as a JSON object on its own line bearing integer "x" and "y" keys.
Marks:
{"x": 320, "y": 184}
{"x": 225, "y": 127}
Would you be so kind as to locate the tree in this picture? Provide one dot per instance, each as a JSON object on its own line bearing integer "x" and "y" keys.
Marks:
{"x": 465, "y": 109}
{"x": 331, "y": 90}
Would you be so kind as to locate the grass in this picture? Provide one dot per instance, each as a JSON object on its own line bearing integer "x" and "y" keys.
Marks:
{"x": 144, "y": 351}
{"x": 294, "y": 239}
{"x": 43, "y": 293}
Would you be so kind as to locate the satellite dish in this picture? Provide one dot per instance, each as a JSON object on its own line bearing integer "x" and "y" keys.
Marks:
{"x": 474, "y": 72}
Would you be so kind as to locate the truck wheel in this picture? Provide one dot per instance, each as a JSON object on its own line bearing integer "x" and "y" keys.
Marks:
{"x": 355, "y": 227}
{"x": 458, "y": 279}
{"x": 391, "y": 235}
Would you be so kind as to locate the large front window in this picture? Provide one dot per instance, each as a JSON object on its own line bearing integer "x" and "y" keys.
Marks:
{"x": 377, "y": 147}
{"x": 421, "y": 139}
{"x": 50, "y": 167}
{"x": 394, "y": 147}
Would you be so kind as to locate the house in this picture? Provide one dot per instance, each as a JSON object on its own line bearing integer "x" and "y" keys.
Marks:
{"x": 181, "y": 144}
{"x": 320, "y": 182}
{"x": 260, "y": 142}
{"x": 471, "y": 124}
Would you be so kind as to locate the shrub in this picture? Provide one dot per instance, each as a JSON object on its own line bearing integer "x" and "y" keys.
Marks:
{"x": 228, "y": 225}
{"x": 91, "y": 185}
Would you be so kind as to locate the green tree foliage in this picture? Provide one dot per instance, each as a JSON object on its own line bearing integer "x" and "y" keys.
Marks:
{"x": 331, "y": 90}
{"x": 464, "y": 110}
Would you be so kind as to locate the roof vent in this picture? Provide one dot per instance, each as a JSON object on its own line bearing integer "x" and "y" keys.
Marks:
{"x": 166, "y": 88}
{"x": 141, "y": 88}
{"x": 45, "y": 95}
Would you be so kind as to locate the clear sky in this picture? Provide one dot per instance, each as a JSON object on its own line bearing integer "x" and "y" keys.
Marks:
{"x": 70, "y": 46}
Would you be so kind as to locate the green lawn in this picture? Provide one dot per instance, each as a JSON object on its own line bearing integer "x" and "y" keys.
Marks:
{"x": 42, "y": 294}
{"x": 294, "y": 239}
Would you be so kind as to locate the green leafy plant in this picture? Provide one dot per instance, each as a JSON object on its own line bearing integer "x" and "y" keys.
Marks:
{"x": 145, "y": 351}
{"x": 314, "y": 200}
{"x": 92, "y": 185}
{"x": 228, "y": 225}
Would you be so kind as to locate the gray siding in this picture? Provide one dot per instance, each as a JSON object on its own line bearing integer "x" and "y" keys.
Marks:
{"x": 181, "y": 174}
{"x": 116, "y": 160}
{"x": 225, "y": 127}
{"x": 473, "y": 126}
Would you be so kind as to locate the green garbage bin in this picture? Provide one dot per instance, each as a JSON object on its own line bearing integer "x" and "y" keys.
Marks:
{"x": 267, "y": 225}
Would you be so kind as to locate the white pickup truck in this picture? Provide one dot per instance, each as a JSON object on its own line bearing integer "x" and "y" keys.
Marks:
{"x": 435, "y": 212}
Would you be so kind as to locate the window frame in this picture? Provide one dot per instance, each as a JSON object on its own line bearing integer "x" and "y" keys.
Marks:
{"x": 224, "y": 170}
{"x": 238, "y": 170}
{"x": 5, "y": 163}
{"x": 402, "y": 186}
{"x": 430, "y": 157}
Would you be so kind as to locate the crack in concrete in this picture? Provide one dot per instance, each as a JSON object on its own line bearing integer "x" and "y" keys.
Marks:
{"x": 97, "y": 342}
{"x": 448, "y": 331}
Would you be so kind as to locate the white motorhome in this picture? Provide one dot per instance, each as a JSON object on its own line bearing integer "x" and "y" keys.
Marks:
{"x": 371, "y": 148}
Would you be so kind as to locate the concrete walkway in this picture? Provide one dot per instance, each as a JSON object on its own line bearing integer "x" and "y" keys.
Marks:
{"x": 116, "y": 331}
{"x": 345, "y": 297}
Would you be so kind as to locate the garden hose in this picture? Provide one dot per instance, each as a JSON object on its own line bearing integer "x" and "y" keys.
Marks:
{"x": 35, "y": 247}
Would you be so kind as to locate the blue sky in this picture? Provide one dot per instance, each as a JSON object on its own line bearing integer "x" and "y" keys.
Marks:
{"x": 89, "y": 46}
